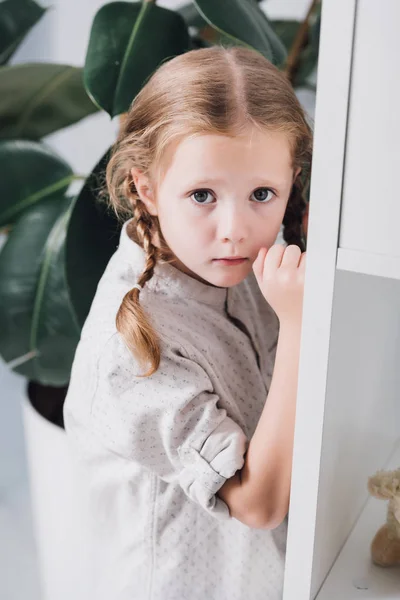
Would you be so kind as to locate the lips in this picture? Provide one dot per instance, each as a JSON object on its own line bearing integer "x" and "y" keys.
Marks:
{"x": 225, "y": 261}
{"x": 231, "y": 258}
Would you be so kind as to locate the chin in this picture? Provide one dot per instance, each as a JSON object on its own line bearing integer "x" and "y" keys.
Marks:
{"x": 227, "y": 280}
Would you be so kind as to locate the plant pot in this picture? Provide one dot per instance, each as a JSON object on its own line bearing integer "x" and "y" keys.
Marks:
{"x": 57, "y": 496}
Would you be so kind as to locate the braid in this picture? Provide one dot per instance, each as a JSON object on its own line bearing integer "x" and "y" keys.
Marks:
{"x": 143, "y": 224}
{"x": 293, "y": 232}
{"x": 131, "y": 320}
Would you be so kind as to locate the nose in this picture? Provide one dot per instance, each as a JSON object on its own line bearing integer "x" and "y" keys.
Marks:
{"x": 233, "y": 224}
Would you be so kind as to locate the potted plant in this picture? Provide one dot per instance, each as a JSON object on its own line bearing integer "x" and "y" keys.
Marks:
{"x": 57, "y": 243}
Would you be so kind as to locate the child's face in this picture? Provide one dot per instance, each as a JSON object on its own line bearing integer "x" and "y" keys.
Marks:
{"x": 216, "y": 200}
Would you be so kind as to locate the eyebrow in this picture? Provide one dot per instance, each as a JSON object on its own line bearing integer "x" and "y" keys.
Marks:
{"x": 204, "y": 181}
{"x": 207, "y": 180}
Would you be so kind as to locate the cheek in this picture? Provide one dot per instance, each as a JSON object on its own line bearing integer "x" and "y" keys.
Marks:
{"x": 177, "y": 228}
{"x": 190, "y": 224}
{"x": 267, "y": 230}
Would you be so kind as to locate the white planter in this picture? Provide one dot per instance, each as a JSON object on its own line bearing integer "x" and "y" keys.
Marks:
{"x": 58, "y": 507}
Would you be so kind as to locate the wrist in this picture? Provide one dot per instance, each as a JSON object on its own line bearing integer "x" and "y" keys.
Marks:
{"x": 293, "y": 325}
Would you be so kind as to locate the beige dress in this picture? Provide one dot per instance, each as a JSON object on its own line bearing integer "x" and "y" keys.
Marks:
{"x": 154, "y": 451}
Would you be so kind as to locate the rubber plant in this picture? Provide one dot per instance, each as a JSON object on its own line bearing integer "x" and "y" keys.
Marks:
{"x": 57, "y": 244}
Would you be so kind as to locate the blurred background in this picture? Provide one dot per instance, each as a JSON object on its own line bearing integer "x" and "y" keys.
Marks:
{"x": 60, "y": 36}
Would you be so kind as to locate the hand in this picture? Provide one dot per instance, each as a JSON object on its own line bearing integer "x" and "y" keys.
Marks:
{"x": 280, "y": 273}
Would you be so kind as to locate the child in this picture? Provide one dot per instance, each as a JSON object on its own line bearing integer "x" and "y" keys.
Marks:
{"x": 188, "y": 473}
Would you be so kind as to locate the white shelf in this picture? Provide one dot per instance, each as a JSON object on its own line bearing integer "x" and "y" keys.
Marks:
{"x": 368, "y": 263}
{"x": 353, "y": 575}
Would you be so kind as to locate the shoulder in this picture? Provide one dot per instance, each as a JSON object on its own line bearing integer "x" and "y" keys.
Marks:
{"x": 119, "y": 370}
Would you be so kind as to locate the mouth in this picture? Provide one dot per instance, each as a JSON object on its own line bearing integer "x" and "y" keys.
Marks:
{"x": 237, "y": 260}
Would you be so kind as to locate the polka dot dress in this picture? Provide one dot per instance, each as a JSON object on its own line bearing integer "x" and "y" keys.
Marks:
{"x": 155, "y": 451}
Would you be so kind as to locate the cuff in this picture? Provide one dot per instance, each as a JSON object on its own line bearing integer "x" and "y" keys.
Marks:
{"x": 206, "y": 470}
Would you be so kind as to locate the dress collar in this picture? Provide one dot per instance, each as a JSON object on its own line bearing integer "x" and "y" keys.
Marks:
{"x": 167, "y": 278}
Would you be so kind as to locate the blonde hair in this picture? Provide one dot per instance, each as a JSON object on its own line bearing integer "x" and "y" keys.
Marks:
{"x": 209, "y": 90}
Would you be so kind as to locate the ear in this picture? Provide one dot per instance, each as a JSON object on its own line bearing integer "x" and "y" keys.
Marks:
{"x": 144, "y": 189}
{"x": 384, "y": 484}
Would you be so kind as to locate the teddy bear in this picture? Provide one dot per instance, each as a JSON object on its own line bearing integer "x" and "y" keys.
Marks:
{"x": 385, "y": 546}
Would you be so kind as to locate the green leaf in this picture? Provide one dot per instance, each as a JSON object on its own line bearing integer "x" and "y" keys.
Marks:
{"x": 128, "y": 41}
{"x": 35, "y": 310}
{"x": 39, "y": 98}
{"x": 286, "y": 30}
{"x": 192, "y": 16}
{"x": 31, "y": 172}
{"x": 279, "y": 51}
{"x": 92, "y": 238}
{"x": 244, "y": 23}
{"x": 17, "y": 17}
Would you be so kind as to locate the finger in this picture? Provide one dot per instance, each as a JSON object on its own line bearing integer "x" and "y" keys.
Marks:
{"x": 291, "y": 257}
{"x": 258, "y": 264}
{"x": 273, "y": 259}
{"x": 302, "y": 264}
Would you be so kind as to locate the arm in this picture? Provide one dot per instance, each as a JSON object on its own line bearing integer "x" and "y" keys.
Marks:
{"x": 259, "y": 493}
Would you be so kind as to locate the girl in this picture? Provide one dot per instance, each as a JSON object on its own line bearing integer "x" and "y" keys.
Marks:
{"x": 188, "y": 467}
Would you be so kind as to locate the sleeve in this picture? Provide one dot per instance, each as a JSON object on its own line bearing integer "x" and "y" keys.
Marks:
{"x": 169, "y": 423}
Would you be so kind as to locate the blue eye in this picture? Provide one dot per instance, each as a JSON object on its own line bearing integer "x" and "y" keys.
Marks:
{"x": 201, "y": 196}
{"x": 260, "y": 199}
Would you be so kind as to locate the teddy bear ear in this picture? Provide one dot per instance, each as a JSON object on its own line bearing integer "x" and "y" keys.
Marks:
{"x": 374, "y": 487}
{"x": 385, "y": 484}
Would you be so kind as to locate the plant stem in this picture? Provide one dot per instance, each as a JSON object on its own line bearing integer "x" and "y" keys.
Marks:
{"x": 20, "y": 360}
{"x": 298, "y": 43}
